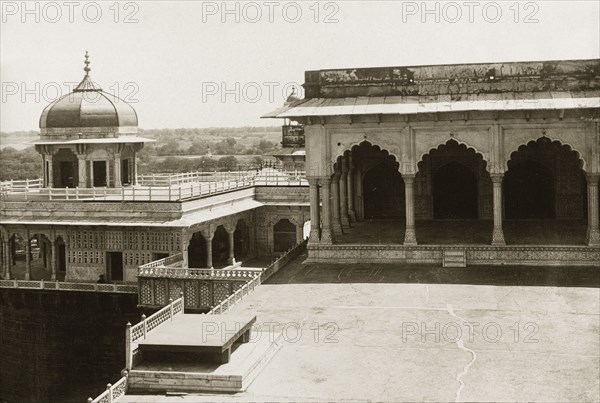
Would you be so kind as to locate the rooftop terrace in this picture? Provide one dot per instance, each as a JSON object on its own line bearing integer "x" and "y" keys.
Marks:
{"x": 390, "y": 333}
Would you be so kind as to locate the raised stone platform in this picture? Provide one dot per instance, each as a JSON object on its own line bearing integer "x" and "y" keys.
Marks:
{"x": 245, "y": 364}
{"x": 529, "y": 255}
{"x": 202, "y": 353}
{"x": 198, "y": 335}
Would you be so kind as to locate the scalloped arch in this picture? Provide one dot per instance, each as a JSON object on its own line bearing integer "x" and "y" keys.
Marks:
{"x": 562, "y": 144}
{"x": 460, "y": 143}
{"x": 358, "y": 144}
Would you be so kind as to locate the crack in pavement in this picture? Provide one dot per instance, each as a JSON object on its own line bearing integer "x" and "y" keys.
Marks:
{"x": 461, "y": 345}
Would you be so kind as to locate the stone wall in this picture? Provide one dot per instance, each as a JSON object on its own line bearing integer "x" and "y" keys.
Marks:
{"x": 267, "y": 217}
{"x": 61, "y": 346}
{"x": 86, "y": 251}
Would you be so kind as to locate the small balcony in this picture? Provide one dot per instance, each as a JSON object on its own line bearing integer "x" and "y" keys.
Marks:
{"x": 292, "y": 136}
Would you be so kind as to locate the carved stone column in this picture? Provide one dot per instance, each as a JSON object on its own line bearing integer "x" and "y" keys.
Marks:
{"x": 92, "y": 174}
{"x": 49, "y": 170}
{"x": 593, "y": 231}
{"x": 117, "y": 161}
{"x": 410, "y": 237}
{"x": 27, "y": 256}
{"x": 134, "y": 170}
{"x": 359, "y": 204}
{"x": 53, "y": 259}
{"x": 315, "y": 210}
{"x": 209, "y": 262}
{"x": 82, "y": 173}
{"x": 299, "y": 231}
{"x": 7, "y": 260}
{"x": 344, "y": 195}
{"x": 327, "y": 236}
{"x": 2, "y": 256}
{"x": 230, "y": 228}
{"x": 185, "y": 242}
{"x": 498, "y": 234}
{"x": 335, "y": 195}
{"x": 351, "y": 172}
{"x": 107, "y": 173}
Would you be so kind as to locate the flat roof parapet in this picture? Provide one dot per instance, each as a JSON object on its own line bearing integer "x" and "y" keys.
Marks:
{"x": 480, "y": 78}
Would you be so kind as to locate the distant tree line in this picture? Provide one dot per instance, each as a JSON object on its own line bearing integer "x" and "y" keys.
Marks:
{"x": 249, "y": 144}
{"x": 228, "y": 146}
{"x": 20, "y": 164}
{"x": 204, "y": 164}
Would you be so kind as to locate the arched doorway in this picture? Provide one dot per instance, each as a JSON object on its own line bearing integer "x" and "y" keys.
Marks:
{"x": 241, "y": 241}
{"x": 220, "y": 247}
{"x": 529, "y": 189}
{"x": 284, "y": 235}
{"x": 61, "y": 259}
{"x": 197, "y": 251}
{"x": 65, "y": 169}
{"x": 454, "y": 192}
{"x": 40, "y": 254}
{"x": 453, "y": 196}
{"x": 545, "y": 195}
{"x": 17, "y": 256}
{"x": 372, "y": 203}
{"x": 383, "y": 192}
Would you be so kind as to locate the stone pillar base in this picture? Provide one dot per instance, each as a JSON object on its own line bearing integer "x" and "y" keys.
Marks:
{"x": 593, "y": 238}
{"x": 410, "y": 237}
{"x": 326, "y": 236}
{"x": 337, "y": 228}
{"x": 352, "y": 216}
{"x": 314, "y": 236}
{"x": 498, "y": 238}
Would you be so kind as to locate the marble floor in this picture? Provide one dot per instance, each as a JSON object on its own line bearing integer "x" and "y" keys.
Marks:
{"x": 398, "y": 333}
{"x": 440, "y": 232}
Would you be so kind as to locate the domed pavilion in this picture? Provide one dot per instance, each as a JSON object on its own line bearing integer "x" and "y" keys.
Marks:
{"x": 89, "y": 138}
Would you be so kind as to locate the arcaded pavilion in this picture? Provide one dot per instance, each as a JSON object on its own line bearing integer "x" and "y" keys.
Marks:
{"x": 91, "y": 213}
{"x": 493, "y": 163}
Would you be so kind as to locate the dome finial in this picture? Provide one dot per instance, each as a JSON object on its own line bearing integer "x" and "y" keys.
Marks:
{"x": 87, "y": 64}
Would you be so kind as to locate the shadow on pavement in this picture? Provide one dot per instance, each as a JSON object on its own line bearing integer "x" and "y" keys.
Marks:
{"x": 553, "y": 276}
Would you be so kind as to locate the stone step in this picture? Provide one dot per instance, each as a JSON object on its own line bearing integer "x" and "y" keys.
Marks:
{"x": 455, "y": 258}
{"x": 246, "y": 362}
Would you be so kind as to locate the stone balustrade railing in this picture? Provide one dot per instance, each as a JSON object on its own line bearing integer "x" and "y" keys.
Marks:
{"x": 68, "y": 286}
{"x": 146, "y": 325}
{"x": 112, "y": 392}
{"x": 236, "y": 296}
{"x": 233, "y": 272}
{"x": 175, "y": 187}
{"x": 134, "y": 333}
{"x": 263, "y": 276}
{"x": 21, "y": 185}
{"x": 170, "y": 179}
{"x": 180, "y": 192}
{"x": 282, "y": 260}
{"x": 175, "y": 260}
{"x": 173, "y": 193}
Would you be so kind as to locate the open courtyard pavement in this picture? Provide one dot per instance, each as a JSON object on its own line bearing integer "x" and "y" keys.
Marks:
{"x": 421, "y": 333}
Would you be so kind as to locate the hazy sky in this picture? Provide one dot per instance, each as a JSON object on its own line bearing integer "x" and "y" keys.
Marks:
{"x": 181, "y": 65}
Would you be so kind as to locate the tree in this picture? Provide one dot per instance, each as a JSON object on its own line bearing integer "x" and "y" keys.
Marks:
{"x": 229, "y": 163}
